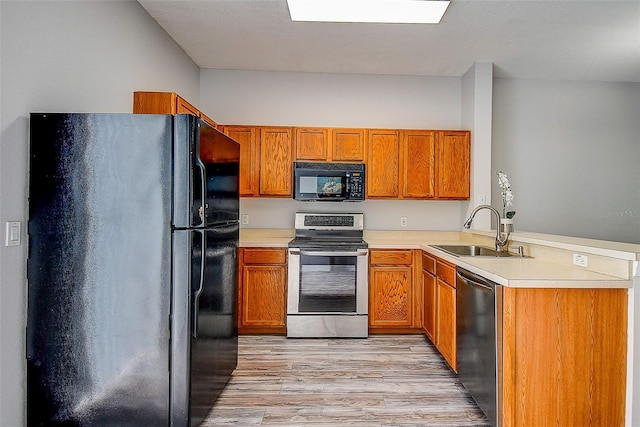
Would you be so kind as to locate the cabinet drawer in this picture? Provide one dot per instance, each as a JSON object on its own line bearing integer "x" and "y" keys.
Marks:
{"x": 264, "y": 256}
{"x": 428, "y": 263}
{"x": 401, "y": 257}
{"x": 446, "y": 272}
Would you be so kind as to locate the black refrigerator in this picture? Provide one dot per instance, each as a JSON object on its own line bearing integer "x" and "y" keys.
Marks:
{"x": 132, "y": 269}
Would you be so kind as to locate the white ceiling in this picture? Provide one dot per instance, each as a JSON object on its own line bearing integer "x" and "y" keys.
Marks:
{"x": 576, "y": 40}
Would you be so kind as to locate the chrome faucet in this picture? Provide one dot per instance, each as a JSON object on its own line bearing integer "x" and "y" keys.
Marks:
{"x": 502, "y": 239}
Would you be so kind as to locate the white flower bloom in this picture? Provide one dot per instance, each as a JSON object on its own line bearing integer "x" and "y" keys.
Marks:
{"x": 507, "y": 194}
{"x": 508, "y": 198}
{"x": 503, "y": 181}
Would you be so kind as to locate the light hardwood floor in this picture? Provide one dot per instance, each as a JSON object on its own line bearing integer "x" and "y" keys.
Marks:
{"x": 384, "y": 380}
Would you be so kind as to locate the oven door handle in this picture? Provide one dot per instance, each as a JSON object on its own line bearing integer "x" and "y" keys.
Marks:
{"x": 359, "y": 252}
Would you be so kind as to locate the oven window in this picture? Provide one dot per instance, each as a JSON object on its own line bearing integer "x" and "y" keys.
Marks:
{"x": 327, "y": 284}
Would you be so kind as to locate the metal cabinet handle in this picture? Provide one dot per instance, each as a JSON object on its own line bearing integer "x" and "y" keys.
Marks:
{"x": 474, "y": 283}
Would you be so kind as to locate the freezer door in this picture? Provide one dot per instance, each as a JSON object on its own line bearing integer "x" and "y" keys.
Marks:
{"x": 206, "y": 174}
{"x": 98, "y": 270}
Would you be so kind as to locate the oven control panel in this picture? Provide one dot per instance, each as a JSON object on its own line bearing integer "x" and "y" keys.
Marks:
{"x": 329, "y": 221}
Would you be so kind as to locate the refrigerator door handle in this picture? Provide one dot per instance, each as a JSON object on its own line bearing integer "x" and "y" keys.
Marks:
{"x": 196, "y": 296}
{"x": 202, "y": 210}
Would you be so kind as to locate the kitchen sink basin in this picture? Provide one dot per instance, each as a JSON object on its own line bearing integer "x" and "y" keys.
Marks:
{"x": 472, "y": 250}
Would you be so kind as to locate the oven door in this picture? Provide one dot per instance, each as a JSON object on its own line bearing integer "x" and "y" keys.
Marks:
{"x": 328, "y": 282}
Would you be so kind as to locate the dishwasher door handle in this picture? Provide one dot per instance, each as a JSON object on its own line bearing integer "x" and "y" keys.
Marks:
{"x": 474, "y": 283}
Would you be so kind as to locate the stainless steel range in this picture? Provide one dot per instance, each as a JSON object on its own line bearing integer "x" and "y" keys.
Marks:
{"x": 328, "y": 275}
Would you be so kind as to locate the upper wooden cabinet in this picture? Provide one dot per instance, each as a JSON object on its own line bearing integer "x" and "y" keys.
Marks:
{"x": 383, "y": 164}
{"x": 312, "y": 144}
{"x": 348, "y": 145}
{"x": 276, "y": 162}
{"x": 453, "y": 164}
{"x": 166, "y": 103}
{"x": 330, "y": 145}
{"x": 418, "y": 164}
{"x": 400, "y": 164}
{"x": 266, "y": 160}
{"x": 249, "y": 162}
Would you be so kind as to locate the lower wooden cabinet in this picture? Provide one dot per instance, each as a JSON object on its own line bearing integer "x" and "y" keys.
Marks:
{"x": 564, "y": 357}
{"x": 394, "y": 293}
{"x": 262, "y": 291}
{"x": 439, "y": 324}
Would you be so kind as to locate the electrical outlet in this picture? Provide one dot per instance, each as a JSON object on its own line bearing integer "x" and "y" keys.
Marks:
{"x": 244, "y": 219}
{"x": 580, "y": 260}
{"x": 403, "y": 221}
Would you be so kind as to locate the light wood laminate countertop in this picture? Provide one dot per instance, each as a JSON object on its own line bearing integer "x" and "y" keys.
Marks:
{"x": 549, "y": 265}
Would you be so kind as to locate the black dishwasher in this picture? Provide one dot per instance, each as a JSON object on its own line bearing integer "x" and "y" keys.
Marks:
{"x": 479, "y": 340}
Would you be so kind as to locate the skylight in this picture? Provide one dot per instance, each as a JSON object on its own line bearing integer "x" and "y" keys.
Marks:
{"x": 372, "y": 11}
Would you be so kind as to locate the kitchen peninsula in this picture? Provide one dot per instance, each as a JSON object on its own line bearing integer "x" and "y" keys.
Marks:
{"x": 563, "y": 349}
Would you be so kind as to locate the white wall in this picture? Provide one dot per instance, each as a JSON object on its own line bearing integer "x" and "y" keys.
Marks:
{"x": 73, "y": 56}
{"x": 572, "y": 153}
{"x": 338, "y": 100}
{"x": 477, "y": 92}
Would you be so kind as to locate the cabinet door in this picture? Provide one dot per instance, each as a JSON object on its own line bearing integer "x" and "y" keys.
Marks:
{"x": 430, "y": 311}
{"x": 454, "y": 151}
{"x": 348, "y": 145}
{"x": 312, "y": 144}
{"x": 276, "y": 162}
{"x": 249, "y": 178}
{"x": 383, "y": 168}
{"x": 208, "y": 120}
{"x": 418, "y": 169}
{"x": 263, "y": 295}
{"x": 154, "y": 102}
{"x": 183, "y": 107}
{"x": 446, "y": 323}
{"x": 390, "y": 296}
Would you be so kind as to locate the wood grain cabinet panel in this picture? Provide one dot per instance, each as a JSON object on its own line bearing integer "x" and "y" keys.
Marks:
{"x": 390, "y": 297}
{"x": 453, "y": 165}
{"x": 418, "y": 164}
{"x": 439, "y": 305}
{"x": 247, "y": 138}
{"x": 430, "y": 311}
{"x": 395, "y": 291}
{"x": 446, "y": 322}
{"x": 276, "y": 162}
{"x": 312, "y": 144}
{"x": 564, "y": 357}
{"x": 166, "y": 103}
{"x": 348, "y": 145}
{"x": 262, "y": 291}
{"x": 383, "y": 163}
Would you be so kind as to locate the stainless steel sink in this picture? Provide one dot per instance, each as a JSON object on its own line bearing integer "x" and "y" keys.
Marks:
{"x": 472, "y": 250}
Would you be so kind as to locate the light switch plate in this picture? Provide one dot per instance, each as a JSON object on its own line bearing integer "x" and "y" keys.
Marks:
{"x": 13, "y": 233}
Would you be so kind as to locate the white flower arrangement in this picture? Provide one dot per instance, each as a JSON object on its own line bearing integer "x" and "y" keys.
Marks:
{"x": 507, "y": 194}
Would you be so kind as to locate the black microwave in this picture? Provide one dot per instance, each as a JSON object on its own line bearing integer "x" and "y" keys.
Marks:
{"x": 328, "y": 181}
